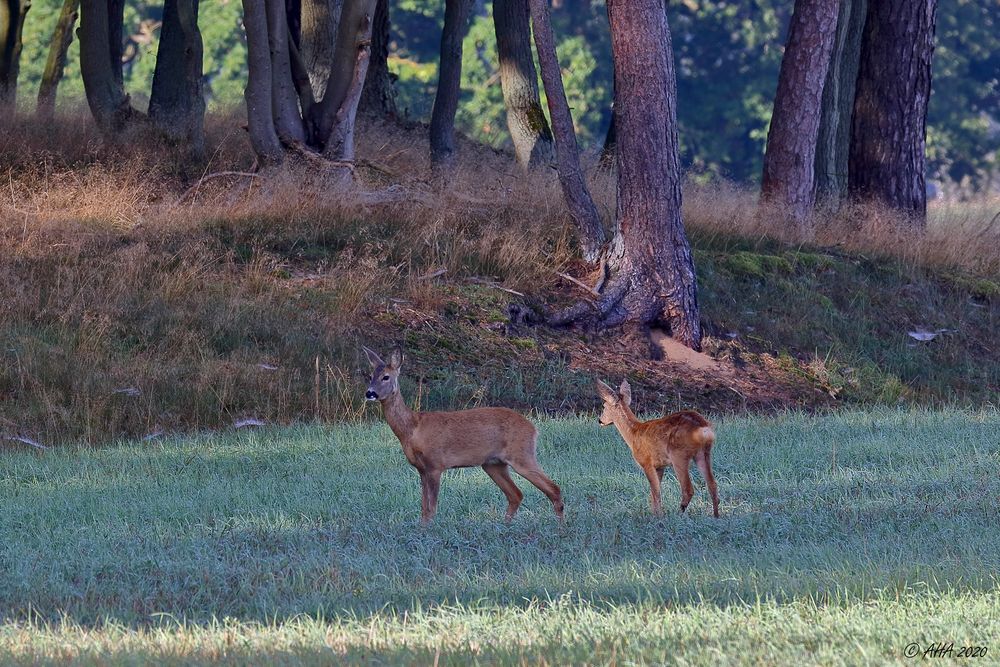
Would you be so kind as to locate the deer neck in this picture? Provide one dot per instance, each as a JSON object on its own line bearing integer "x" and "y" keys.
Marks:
{"x": 401, "y": 419}
{"x": 626, "y": 423}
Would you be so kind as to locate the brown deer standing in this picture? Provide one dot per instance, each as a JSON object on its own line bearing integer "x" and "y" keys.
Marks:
{"x": 495, "y": 438}
{"x": 672, "y": 440}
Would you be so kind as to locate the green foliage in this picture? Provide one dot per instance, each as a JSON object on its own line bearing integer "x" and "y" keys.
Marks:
{"x": 963, "y": 135}
{"x": 301, "y": 546}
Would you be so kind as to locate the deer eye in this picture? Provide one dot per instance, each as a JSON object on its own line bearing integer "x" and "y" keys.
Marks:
{"x": 385, "y": 378}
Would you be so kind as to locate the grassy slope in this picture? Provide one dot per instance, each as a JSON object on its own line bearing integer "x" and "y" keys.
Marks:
{"x": 843, "y": 538}
{"x": 132, "y": 300}
{"x": 260, "y": 316}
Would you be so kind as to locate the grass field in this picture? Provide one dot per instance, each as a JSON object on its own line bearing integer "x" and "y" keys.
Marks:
{"x": 843, "y": 539}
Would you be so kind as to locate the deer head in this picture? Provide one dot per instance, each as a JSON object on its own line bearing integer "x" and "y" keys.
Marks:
{"x": 614, "y": 402}
{"x": 385, "y": 376}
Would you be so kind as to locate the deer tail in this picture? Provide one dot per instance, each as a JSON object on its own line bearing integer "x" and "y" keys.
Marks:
{"x": 704, "y": 436}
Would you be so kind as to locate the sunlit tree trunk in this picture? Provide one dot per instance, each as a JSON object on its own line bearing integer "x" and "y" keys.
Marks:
{"x": 526, "y": 122}
{"x": 55, "y": 64}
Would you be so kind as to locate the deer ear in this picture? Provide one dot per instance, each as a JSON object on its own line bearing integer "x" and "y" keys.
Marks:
{"x": 626, "y": 392}
{"x": 373, "y": 358}
{"x": 605, "y": 392}
{"x": 396, "y": 359}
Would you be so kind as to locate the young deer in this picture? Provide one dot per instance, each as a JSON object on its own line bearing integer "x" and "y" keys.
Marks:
{"x": 433, "y": 442}
{"x": 673, "y": 440}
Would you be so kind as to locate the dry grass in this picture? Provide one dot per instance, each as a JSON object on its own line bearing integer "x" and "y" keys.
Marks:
{"x": 123, "y": 267}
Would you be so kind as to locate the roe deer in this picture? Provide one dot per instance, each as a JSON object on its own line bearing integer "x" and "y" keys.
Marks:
{"x": 433, "y": 442}
{"x": 672, "y": 440}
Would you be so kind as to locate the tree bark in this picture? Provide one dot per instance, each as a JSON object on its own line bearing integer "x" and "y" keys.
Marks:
{"x": 284, "y": 98}
{"x": 442, "y": 130}
{"x": 12, "y": 13}
{"x": 526, "y": 122}
{"x": 838, "y": 103}
{"x": 790, "y": 157}
{"x": 378, "y": 96}
{"x": 888, "y": 130}
{"x": 353, "y": 34}
{"x": 653, "y": 279}
{"x": 339, "y": 145}
{"x": 177, "y": 101}
{"x": 260, "y": 118}
{"x": 574, "y": 187}
{"x": 55, "y": 64}
{"x": 100, "y": 36}
{"x": 319, "y": 22}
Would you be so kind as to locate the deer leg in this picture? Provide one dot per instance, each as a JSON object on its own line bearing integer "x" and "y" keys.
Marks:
{"x": 681, "y": 466}
{"x": 704, "y": 460}
{"x": 534, "y": 474}
{"x": 430, "y": 481}
{"x": 500, "y": 473}
{"x": 654, "y": 476}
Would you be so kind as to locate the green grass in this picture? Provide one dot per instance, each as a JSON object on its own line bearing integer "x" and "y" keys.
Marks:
{"x": 843, "y": 539}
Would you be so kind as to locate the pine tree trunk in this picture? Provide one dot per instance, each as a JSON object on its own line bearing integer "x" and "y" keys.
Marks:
{"x": 526, "y": 122}
{"x": 177, "y": 101}
{"x": 790, "y": 158}
{"x": 101, "y": 65}
{"x": 838, "y": 103}
{"x": 379, "y": 95}
{"x": 442, "y": 130}
{"x": 12, "y": 13}
{"x": 581, "y": 206}
{"x": 55, "y": 64}
{"x": 888, "y": 129}
{"x": 652, "y": 271}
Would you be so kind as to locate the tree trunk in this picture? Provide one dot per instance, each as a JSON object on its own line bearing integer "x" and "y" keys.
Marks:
{"x": 574, "y": 187}
{"x": 12, "y": 14}
{"x": 526, "y": 122}
{"x": 653, "y": 279}
{"x": 319, "y": 22}
{"x": 790, "y": 157}
{"x": 339, "y": 144}
{"x": 838, "y": 103}
{"x": 260, "y": 118}
{"x": 353, "y": 35}
{"x": 378, "y": 96}
{"x": 442, "y": 130}
{"x": 277, "y": 84}
{"x": 284, "y": 98}
{"x": 101, "y": 65}
{"x": 177, "y": 101}
{"x": 888, "y": 130}
{"x": 55, "y": 64}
